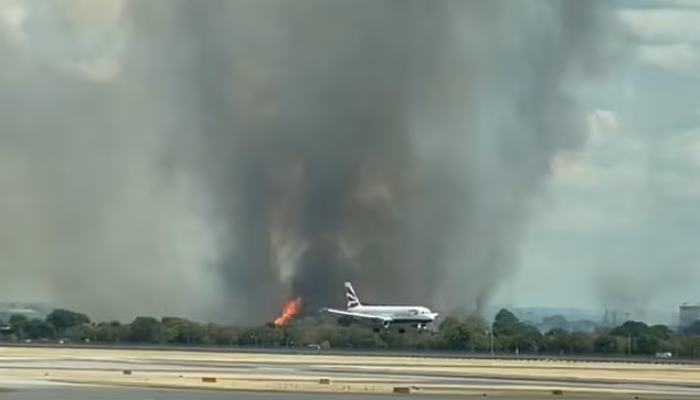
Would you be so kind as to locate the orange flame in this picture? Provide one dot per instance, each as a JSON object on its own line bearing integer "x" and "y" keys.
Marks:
{"x": 291, "y": 310}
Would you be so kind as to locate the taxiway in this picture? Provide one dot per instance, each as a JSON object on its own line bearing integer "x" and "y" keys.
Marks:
{"x": 78, "y": 374}
{"x": 160, "y": 394}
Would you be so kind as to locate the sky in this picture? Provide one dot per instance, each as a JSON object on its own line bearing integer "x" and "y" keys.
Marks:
{"x": 617, "y": 224}
{"x": 614, "y": 226}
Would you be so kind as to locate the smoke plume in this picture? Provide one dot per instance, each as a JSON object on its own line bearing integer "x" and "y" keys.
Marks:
{"x": 214, "y": 158}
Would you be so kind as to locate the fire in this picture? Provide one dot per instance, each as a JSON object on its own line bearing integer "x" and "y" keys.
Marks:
{"x": 291, "y": 310}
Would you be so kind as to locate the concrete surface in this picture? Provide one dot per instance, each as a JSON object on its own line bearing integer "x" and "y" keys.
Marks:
{"x": 63, "y": 371}
{"x": 210, "y": 357}
{"x": 151, "y": 394}
{"x": 368, "y": 353}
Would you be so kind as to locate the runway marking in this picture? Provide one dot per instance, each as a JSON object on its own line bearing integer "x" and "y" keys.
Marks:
{"x": 90, "y": 369}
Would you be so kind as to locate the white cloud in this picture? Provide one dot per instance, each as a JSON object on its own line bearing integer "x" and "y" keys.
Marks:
{"x": 683, "y": 148}
{"x": 675, "y": 25}
{"x": 13, "y": 15}
{"x": 602, "y": 124}
{"x": 611, "y": 158}
{"x": 679, "y": 57}
{"x": 603, "y": 188}
{"x": 87, "y": 37}
{"x": 681, "y": 3}
{"x": 571, "y": 169}
{"x": 626, "y": 202}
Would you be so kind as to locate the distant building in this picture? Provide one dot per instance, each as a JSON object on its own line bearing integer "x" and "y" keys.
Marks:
{"x": 613, "y": 318}
{"x": 688, "y": 314}
{"x": 6, "y": 313}
{"x": 7, "y": 310}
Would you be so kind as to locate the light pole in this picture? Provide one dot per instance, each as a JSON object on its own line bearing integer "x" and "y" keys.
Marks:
{"x": 629, "y": 344}
{"x": 629, "y": 335}
{"x": 491, "y": 339}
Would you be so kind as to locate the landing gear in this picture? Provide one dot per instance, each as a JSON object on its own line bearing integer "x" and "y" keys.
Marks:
{"x": 385, "y": 326}
{"x": 421, "y": 328}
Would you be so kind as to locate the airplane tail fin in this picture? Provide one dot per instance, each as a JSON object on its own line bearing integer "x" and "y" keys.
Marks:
{"x": 351, "y": 296}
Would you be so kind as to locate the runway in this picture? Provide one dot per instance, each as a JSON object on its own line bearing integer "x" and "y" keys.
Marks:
{"x": 159, "y": 394}
{"x": 368, "y": 353}
{"x": 89, "y": 393}
{"x": 80, "y": 374}
{"x": 313, "y": 371}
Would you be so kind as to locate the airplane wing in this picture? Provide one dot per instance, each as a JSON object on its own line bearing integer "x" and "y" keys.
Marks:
{"x": 356, "y": 315}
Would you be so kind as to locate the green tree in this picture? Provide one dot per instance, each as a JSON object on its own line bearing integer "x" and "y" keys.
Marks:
{"x": 660, "y": 331}
{"x": 326, "y": 332}
{"x": 357, "y": 336}
{"x": 145, "y": 330}
{"x": 527, "y": 339}
{"x": 18, "y": 324}
{"x": 81, "y": 333}
{"x": 183, "y": 331}
{"x": 63, "y": 319}
{"x": 647, "y": 344}
{"x": 456, "y": 335}
{"x": 39, "y": 329}
{"x": 630, "y": 328}
{"x": 580, "y": 343}
{"x": 606, "y": 344}
{"x": 506, "y": 323}
{"x": 557, "y": 341}
{"x": 222, "y": 335}
{"x": 111, "y": 332}
{"x": 555, "y": 322}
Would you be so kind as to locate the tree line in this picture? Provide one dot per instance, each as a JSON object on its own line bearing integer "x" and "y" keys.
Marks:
{"x": 506, "y": 333}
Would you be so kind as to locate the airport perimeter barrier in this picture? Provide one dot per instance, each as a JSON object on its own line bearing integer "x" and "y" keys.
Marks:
{"x": 363, "y": 353}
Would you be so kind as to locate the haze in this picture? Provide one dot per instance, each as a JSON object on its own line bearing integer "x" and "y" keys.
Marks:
{"x": 617, "y": 224}
{"x": 212, "y": 159}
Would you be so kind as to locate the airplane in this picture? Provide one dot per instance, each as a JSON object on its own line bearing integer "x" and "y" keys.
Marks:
{"x": 419, "y": 316}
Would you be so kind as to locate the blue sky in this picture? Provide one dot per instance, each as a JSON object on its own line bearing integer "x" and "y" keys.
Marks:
{"x": 618, "y": 223}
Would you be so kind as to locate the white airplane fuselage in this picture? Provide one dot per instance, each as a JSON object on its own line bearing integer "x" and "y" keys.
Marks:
{"x": 419, "y": 316}
{"x": 398, "y": 314}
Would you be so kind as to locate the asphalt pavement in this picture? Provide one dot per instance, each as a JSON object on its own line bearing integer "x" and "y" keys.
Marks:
{"x": 95, "y": 393}
{"x": 304, "y": 370}
{"x": 40, "y": 387}
{"x": 276, "y": 370}
{"x": 370, "y": 353}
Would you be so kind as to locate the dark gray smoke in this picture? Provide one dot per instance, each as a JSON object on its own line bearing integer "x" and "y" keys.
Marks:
{"x": 396, "y": 143}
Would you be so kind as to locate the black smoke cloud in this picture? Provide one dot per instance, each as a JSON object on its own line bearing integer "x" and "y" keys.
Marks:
{"x": 396, "y": 143}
